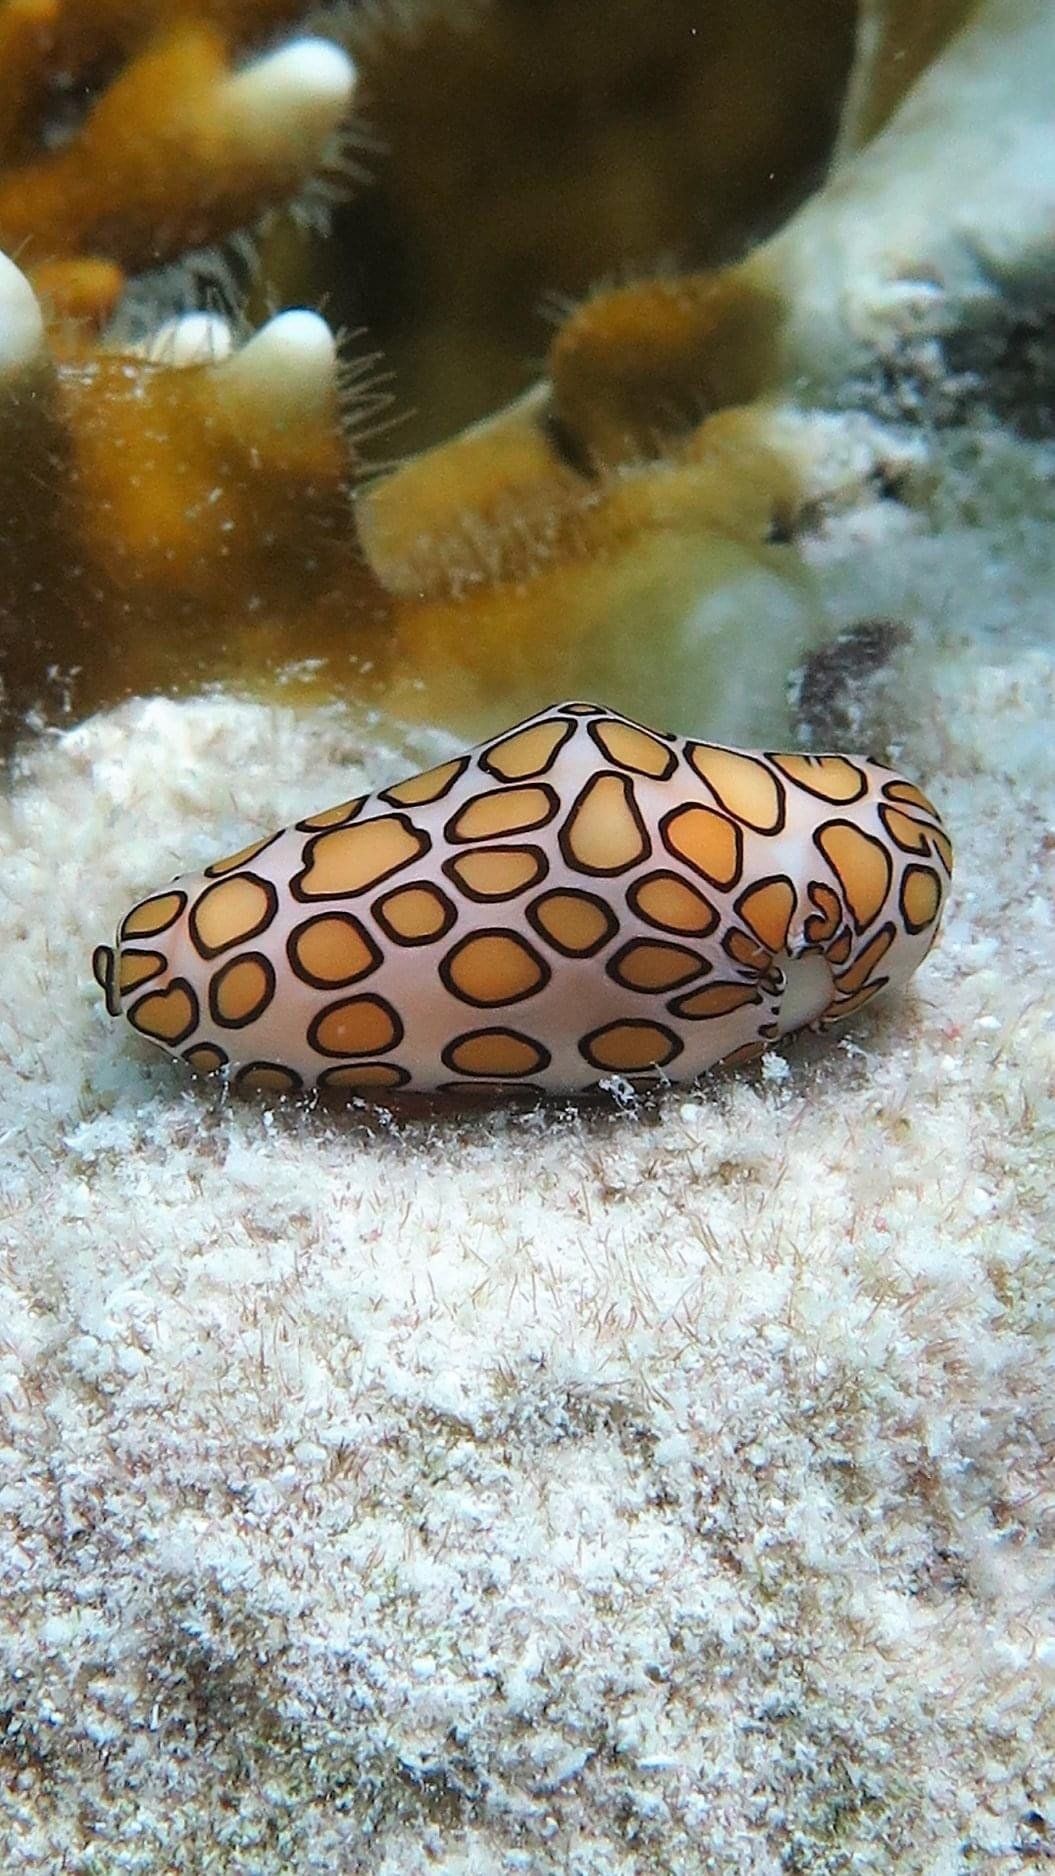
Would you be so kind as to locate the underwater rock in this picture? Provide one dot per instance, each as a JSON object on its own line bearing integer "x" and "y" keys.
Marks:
{"x": 836, "y": 692}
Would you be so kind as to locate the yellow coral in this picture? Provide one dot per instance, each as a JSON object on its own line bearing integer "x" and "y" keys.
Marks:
{"x": 179, "y": 149}
{"x": 181, "y": 507}
{"x": 163, "y": 498}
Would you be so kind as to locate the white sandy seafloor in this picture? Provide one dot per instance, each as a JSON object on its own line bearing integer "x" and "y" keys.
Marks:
{"x": 609, "y": 1492}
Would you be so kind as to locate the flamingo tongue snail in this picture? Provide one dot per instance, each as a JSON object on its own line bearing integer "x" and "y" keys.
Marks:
{"x": 578, "y": 898}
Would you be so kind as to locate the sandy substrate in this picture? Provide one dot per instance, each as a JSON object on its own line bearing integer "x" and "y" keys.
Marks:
{"x": 606, "y": 1492}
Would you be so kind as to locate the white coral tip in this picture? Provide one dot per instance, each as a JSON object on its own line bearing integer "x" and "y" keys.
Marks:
{"x": 295, "y": 344}
{"x": 308, "y": 83}
{"x": 193, "y": 339}
{"x": 313, "y": 67}
{"x": 288, "y": 370}
{"x": 21, "y": 320}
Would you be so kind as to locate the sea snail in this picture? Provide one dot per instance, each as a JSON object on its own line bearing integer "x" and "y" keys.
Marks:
{"x": 577, "y": 899}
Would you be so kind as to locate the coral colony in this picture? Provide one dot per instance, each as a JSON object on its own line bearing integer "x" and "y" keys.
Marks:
{"x": 172, "y": 485}
{"x": 176, "y": 493}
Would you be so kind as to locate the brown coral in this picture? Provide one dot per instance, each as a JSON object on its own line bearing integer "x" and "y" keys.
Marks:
{"x": 135, "y": 479}
{"x": 180, "y": 508}
{"x": 178, "y": 147}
